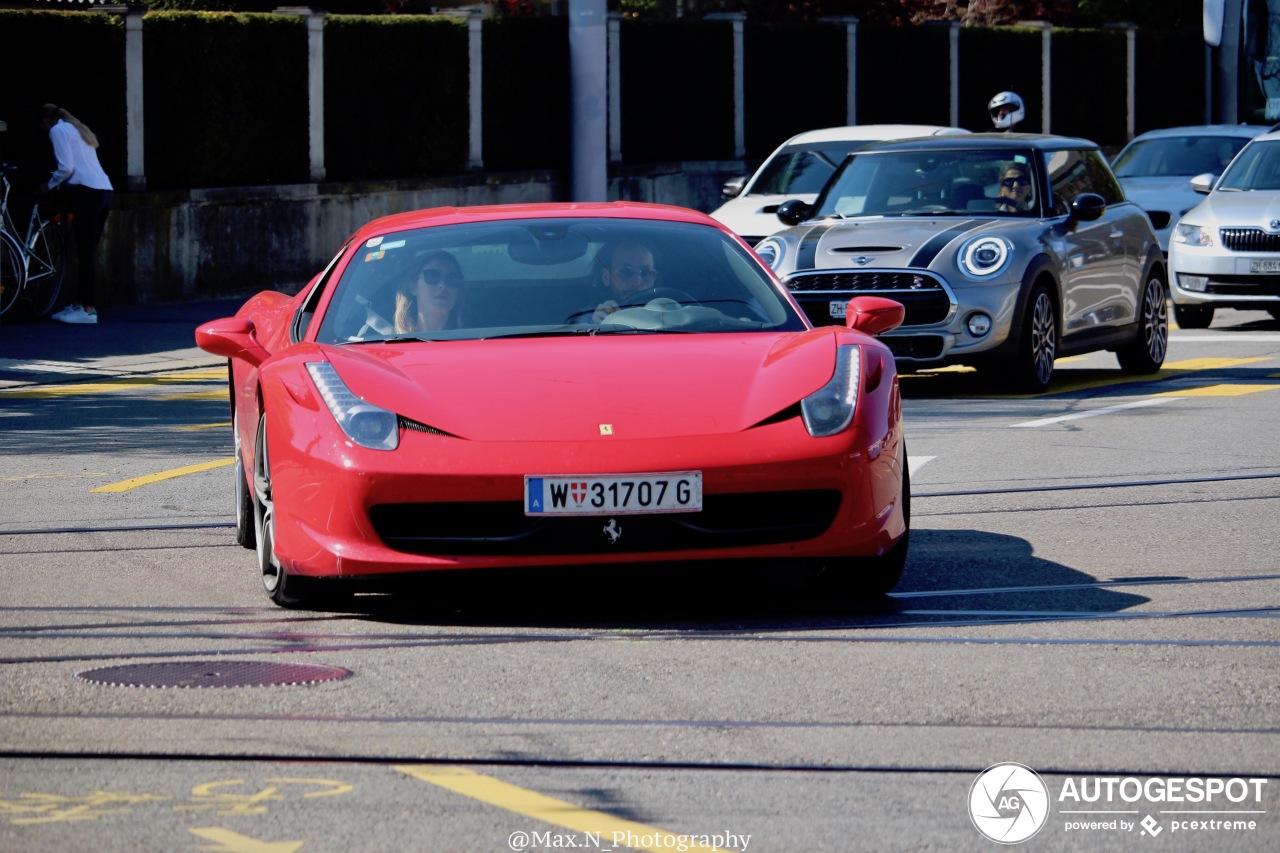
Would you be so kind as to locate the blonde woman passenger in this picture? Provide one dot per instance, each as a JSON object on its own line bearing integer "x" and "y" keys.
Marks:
{"x": 432, "y": 299}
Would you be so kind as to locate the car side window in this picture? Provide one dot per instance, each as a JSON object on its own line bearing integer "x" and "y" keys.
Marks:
{"x": 1068, "y": 177}
{"x": 1101, "y": 178}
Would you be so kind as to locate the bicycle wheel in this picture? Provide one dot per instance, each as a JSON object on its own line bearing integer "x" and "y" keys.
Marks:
{"x": 46, "y": 268}
{"x": 13, "y": 271}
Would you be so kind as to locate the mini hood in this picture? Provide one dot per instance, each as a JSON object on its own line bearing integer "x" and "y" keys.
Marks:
{"x": 888, "y": 242}
{"x": 551, "y": 389}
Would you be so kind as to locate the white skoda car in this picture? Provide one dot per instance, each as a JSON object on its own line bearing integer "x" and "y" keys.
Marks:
{"x": 799, "y": 168}
{"x": 1225, "y": 252}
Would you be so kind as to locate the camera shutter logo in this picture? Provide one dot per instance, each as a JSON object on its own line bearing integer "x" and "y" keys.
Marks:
{"x": 1008, "y": 803}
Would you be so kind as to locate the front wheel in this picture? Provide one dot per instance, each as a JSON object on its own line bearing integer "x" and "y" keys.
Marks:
{"x": 1193, "y": 316}
{"x": 1038, "y": 343}
{"x": 47, "y": 268}
{"x": 284, "y": 589}
{"x": 1146, "y": 353}
{"x": 13, "y": 271}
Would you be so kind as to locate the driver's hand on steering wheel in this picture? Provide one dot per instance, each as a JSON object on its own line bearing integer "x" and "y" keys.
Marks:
{"x": 606, "y": 308}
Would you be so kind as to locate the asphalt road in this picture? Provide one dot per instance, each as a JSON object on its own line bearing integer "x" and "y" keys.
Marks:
{"x": 1092, "y": 592}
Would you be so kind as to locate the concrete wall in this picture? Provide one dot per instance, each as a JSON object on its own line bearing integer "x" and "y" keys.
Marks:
{"x": 180, "y": 246}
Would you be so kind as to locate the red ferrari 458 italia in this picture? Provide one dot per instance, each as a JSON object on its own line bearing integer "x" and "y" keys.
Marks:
{"x": 559, "y": 385}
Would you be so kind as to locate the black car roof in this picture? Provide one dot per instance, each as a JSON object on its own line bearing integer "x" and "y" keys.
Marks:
{"x": 982, "y": 141}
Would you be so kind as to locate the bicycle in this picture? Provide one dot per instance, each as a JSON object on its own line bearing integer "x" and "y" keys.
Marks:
{"x": 33, "y": 266}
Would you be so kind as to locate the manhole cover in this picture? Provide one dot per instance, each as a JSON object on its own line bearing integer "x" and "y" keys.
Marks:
{"x": 208, "y": 673}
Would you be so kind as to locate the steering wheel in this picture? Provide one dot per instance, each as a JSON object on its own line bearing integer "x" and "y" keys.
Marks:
{"x": 648, "y": 297}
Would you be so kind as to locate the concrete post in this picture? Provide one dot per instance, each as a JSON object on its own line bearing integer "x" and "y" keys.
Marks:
{"x": 737, "y": 19}
{"x": 315, "y": 85}
{"x": 135, "y": 149}
{"x": 588, "y": 71}
{"x": 954, "y": 43}
{"x": 1131, "y": 75}
{"x": 850, "y": 65}
{"x": 475, "y": 52}
{"x": 1046, "y": 71}
{"x": 615, "y": 87}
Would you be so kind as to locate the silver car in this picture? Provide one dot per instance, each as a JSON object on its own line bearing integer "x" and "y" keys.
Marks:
{"x": 1225, "y": 252}
{"x": 1008, "y": 251}
{"x": 1155, "y": 169}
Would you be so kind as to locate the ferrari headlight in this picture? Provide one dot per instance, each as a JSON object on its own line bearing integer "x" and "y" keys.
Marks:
{"x": 771, "y": 252}
{"x": 829, "y": 410}
{"x": 364, "y": 423}
{"x": 985, "y": 256}
{"x": 1192, "y": 235}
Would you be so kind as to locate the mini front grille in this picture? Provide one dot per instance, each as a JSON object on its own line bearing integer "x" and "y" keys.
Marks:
{"x": 865, "y": 281}
{"x": 502, "y": 528}
{"x": 1250, "y": 240}
{"x": 918, "y": 347}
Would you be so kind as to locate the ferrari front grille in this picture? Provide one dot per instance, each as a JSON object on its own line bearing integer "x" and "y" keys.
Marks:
{"x": 502, "y": 528}
{"x": 1250, "y": 240}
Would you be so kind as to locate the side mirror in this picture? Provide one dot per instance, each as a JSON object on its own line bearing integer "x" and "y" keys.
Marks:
{"x": 793, "y": 212}
{"x": 232, "y": 337}
{"x": 874, "y": 315}
{"x": 1203, "y": 183}
{"x": 733, "y": 187}
{"x": 1088, "y": 206}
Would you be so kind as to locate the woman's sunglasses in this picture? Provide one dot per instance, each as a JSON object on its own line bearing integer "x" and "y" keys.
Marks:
{"x": 433, "y": 277}
{"x": 1015, "y": 181}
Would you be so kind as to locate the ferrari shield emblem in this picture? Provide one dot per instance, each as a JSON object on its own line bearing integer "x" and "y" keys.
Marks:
{"x": 606, "y": 429}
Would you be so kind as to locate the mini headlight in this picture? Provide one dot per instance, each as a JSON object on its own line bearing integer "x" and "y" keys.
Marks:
{"x": 985, "y": 256}
{"x": 830, "y": 409}
{"x": 364, "y": 423}
{"x": 1192, "y": 235}
{"x": 771, "y": 252}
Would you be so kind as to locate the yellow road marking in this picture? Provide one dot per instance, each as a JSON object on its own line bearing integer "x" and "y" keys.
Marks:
{"x": 18, "y": 478}
{"x": 550, "y": 810}
{"x": 123, "y": 384}
{"x": 220, "y": 395}
{"x": 1224, "y": 390}
{"x": 127, "y": 485}
{"x": 194, "y": 427}
{"x": 1211, "y": 363}
{"x": 234, "y": 842}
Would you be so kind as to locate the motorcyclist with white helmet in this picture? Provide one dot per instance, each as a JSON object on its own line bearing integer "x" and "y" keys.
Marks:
{"x": 1006, "y": 110}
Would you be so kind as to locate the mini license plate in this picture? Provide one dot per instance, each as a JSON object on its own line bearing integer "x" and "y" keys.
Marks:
{"x": 839, "y": 309}
{"x": 613, "y": 494}
{"x": 1264, "y": 266}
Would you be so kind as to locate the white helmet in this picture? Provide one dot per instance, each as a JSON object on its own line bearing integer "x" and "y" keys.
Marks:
{"x": 1009, "y": 119}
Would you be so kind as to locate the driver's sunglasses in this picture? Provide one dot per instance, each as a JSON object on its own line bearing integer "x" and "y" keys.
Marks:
{"x": 647, "y": 274}
{"x": 433, "y": 277}
{"x": 1015, "y": 181}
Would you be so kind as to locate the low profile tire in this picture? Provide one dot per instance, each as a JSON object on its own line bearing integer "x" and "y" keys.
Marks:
{"x": 245, "y": 511}
{"x": 869, "y": 576}
{"x": 284, "y": 589}
{"x": 1146, "y": 353}
{"x": 1037, "y": 343}
{"x": 1193, "y": 316}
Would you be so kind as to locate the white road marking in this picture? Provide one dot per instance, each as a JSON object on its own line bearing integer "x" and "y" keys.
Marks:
{"x": 1095, "y": 412}
{"x": 1241, "y": 338}
{"x": 915, "y": 463}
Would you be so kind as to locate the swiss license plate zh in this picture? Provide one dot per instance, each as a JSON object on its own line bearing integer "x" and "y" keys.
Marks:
{"x": 838, "y": 309}
{"x": 1267, "y": 266}
{"x": 613, "y": 494}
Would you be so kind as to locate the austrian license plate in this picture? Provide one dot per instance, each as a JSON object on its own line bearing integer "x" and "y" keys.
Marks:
{"x": 1264, "y": 266}
{"x": 613, "y": 494}
{"x": 839, "y": 309}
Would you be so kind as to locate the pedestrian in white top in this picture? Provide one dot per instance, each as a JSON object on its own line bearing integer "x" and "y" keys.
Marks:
{"x": 88, "y": 193}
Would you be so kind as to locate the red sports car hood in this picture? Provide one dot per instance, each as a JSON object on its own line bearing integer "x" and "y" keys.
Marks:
{"x": 642, "y": 386}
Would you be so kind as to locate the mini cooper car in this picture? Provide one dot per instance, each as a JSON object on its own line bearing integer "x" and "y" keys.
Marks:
{"x": 1008, "y": 251}
{"x": 798, "y": 168}
{"x": 1155, "y": 169}
{"x": 559, "y": 385}
{"x": 1225, "y": 252}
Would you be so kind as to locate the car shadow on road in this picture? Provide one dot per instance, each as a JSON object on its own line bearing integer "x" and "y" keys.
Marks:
{"x": 967, "y": 576}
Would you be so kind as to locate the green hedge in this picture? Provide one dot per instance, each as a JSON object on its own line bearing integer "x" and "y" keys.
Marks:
{"x": 795, "y": 80}
{"x": 677, "y": 84}
{"x": 1165, "y": 99}
{"x": 77, "y": 62}
{"x": 396, "y": 96}
{"x": 1087, "y": 61}
{"x": 997, "y": 60}
{"x": 904, "y": 75}
{"x": 527, "y": 100}
{"x": 226, "y": 99}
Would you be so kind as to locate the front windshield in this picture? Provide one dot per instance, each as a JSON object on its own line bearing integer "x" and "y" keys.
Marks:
{"x": 572, "y": 276}
{"x": 933, "y": 182}
{"x": 1257, "y": 168}
{"x": 1180, "y": 156}
{"x": 801, "y": 169}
